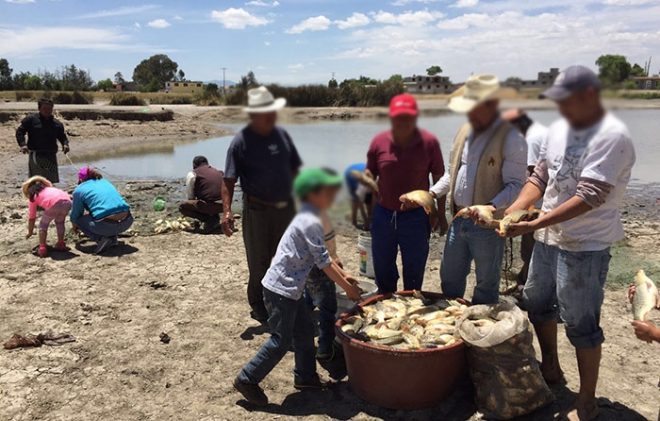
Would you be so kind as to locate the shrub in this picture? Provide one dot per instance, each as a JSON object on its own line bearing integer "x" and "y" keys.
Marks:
{"x": 71, "y": 98}
{"x": 629, "y": 85}
{"x": 126, "y": 99}
{"x": 169, "y": 99}
{"x": 642, "y": 95}
{"x": 239, "y": 97}
{"x": 25, "y": 96}
{"x": 208, "y": 99}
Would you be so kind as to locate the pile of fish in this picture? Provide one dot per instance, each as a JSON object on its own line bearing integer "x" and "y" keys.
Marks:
{"x": 486, "y": 215}
{"x": 162, "y": 225}
{"x": 410, "y": 322}
{"x": 646, "y": 296}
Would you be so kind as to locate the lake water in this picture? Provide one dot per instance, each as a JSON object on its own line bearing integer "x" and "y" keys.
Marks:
{"x": 340, "y": 144}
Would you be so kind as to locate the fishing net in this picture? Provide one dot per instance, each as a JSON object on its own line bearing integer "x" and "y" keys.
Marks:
{"x": 503, "y": 367}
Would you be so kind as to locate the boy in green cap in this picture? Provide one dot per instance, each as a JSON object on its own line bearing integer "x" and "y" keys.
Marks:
{"x": 302, "y": 246}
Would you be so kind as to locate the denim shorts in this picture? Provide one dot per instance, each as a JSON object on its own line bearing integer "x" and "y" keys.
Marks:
{"x": 568, "y": 284}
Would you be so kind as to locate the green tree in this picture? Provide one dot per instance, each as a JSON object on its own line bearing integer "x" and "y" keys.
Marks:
{"x": 629, "y": 85}
{"x": 637, "y": 71}
{"x": 513, "y": 80}
{"x": 434, "y": 70}
{"x": 6, "y": 82}
{"x": 252, "y": 79}
{"x": 211, "y": 88}
{"x": 613, "y": 69}
{"x": 159, "y": 67}
{"x": 119, "y": 78}
{"x": 182, "y": 75}
{"x": 32, "y": 83}
{"x": 105, "y": 85}
{"x": 396, "y": 78}
{"x": 333, "y": 84}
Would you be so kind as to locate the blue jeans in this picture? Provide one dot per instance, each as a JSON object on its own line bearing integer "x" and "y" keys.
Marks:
{"x": 290, "y": 324}
{"x": 97, "y": 229}
{"x": 569, "y": 284}
{"x": 321, "y": 293}
{"x": 408, "y": 231}
{"x": 466, "y": 242}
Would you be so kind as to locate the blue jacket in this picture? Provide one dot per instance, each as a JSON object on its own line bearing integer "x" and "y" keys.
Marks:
{"x": 99, "y": 197}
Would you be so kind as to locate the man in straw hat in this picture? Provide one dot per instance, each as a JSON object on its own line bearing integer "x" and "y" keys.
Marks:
{"x": 582, "y": 176}
{"x": 43, "y": 131}
{"x": 487, "y": 167}
{"x": 265, "y": 160}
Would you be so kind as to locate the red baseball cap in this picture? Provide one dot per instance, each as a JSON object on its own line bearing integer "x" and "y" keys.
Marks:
{"x": 403, "y": 104}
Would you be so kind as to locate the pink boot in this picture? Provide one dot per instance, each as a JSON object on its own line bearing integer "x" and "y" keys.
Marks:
{"x": 43, "y": 251}
{"x": 60, "y": 246}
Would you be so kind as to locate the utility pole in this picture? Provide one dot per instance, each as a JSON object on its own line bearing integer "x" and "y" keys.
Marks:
{"x": 224, "y": 89}
{"x": 333, "y": 75}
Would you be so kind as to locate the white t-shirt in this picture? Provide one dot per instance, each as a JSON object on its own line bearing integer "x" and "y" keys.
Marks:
{"x": 603, "y": 152}
{"x": 537, "y": 135}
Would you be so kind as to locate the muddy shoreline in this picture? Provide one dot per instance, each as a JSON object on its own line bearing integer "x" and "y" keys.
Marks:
{"x": 192, "y": 287}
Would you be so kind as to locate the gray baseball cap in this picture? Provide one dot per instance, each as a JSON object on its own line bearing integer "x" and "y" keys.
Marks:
{"x": 572, "y": 79}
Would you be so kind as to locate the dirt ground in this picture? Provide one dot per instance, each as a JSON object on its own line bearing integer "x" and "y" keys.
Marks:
{"x": 192, "y": 287}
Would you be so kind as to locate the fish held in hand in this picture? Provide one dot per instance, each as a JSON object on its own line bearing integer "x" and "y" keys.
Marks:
{"x": 518, "y": 216}
{"x": 646, "y": 296}
{"x": 421, "y": 198}
{"x": 365, "y": 180}
{"x": 483, "y": 211}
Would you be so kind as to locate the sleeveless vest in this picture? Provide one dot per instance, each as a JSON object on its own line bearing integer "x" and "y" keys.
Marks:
{"x": 208, "y": 183}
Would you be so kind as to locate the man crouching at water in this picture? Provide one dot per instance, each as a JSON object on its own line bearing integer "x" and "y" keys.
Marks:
{"x": 302, "y": 246}
{"x": 582, "y": 176}
{"x": 264, "y": 159}
{"x": 204, "y": 185}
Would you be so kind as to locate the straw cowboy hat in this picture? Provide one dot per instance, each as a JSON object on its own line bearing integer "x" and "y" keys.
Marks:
{"x": 478, "y": 89}
{"x": 260, "y": 100}
{"x": 31, "y": 180}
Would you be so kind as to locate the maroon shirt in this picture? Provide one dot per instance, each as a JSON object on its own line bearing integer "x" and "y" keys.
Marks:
{"x": 400, "y": 171}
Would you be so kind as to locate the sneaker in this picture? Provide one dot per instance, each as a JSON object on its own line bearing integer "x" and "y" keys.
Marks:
{"x": 102, "y": 245}
{"x": 313, "y": 383}
{"x": 43, "y": 251}
{"x": 211, "y": 224}
{"x": 60, "y": 246}
{"x": 329, "y": 355}
{"x": 252, "y": 393}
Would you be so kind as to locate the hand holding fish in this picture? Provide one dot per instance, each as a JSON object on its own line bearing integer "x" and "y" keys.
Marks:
{"x": 518, "y": 229}
{"x": 478, "y": 217}
{"x": 646, "y": 331}
{"x": 353, "y": 293}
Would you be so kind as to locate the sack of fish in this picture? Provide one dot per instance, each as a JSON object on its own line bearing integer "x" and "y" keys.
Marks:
{"x": 503, "y": 367}
{"x": 406, "y": 322}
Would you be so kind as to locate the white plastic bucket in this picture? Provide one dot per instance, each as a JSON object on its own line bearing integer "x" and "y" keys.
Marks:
{"x": 366, "y": 256}
{"x": 344, "y": 304}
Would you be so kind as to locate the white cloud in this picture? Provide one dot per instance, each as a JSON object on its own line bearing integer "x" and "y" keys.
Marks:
{"x": 237, "y": 18}
{"x": 137, "y": 25}
{"x": 295, "y": 67}
{"x": 318, "y": 23}
{"x": 27, "y": 41}
{"x": 628, "y": 2}
{"x": 20, "y": 1}
{"x": 405, "y": 2}
{"x": 267, "y": 43}
{"x": 353, "y": 21}
{"x": 122, "y": 11}
{"x": 465, "y": 3}
{"x": 418, "y": 18}
{"x": 261, "y": 3}
{"x": 159, "y": 23}
{"x": 177, "y": 17}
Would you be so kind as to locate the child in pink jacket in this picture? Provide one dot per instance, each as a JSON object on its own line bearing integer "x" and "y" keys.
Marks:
{"x": 56, "y": 204}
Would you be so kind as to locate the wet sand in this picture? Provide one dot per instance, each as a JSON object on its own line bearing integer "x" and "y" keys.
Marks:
{"x": 192, "y": 287}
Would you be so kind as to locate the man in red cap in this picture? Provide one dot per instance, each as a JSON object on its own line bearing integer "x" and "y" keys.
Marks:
{"x": 401, "y": 160}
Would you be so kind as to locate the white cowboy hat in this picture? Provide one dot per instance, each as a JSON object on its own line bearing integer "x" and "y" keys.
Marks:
{"x": 33, "y": 180}
{"x": 478, "y": 89}
{"x": 260, "y": 100}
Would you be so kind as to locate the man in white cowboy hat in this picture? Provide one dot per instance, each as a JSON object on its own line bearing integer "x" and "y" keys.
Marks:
{"x": 265, "y": 160}
{"x": 487, "y": 167}
{"x": 582, "y": 177}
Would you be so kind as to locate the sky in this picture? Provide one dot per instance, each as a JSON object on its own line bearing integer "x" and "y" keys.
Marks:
{"x": 304, "y": 41}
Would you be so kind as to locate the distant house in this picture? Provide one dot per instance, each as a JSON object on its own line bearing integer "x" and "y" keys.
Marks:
{"x": 126, "y": 87}
{"x": 428, "y": 85}
{"x": 184, "y": 87}
{"x": 544, "y": 79}
{"x": 647, "y": 82}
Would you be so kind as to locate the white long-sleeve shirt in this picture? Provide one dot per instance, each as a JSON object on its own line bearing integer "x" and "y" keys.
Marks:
{"x": 514, "y": 169}
{"x": 190, "y": 185}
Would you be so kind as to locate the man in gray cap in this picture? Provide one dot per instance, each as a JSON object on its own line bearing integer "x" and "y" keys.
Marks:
{"x": 582, "y": 176}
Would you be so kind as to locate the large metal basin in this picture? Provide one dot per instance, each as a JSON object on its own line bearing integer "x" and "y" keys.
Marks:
{"x": 401, "y": 379}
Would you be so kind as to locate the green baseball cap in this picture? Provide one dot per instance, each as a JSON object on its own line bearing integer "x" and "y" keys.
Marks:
{"x": 310, "y": 180}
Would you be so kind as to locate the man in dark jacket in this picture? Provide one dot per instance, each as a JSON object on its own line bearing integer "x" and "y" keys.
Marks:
{"x": 43, "y": 131}
{"x": 204, "y": 185}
